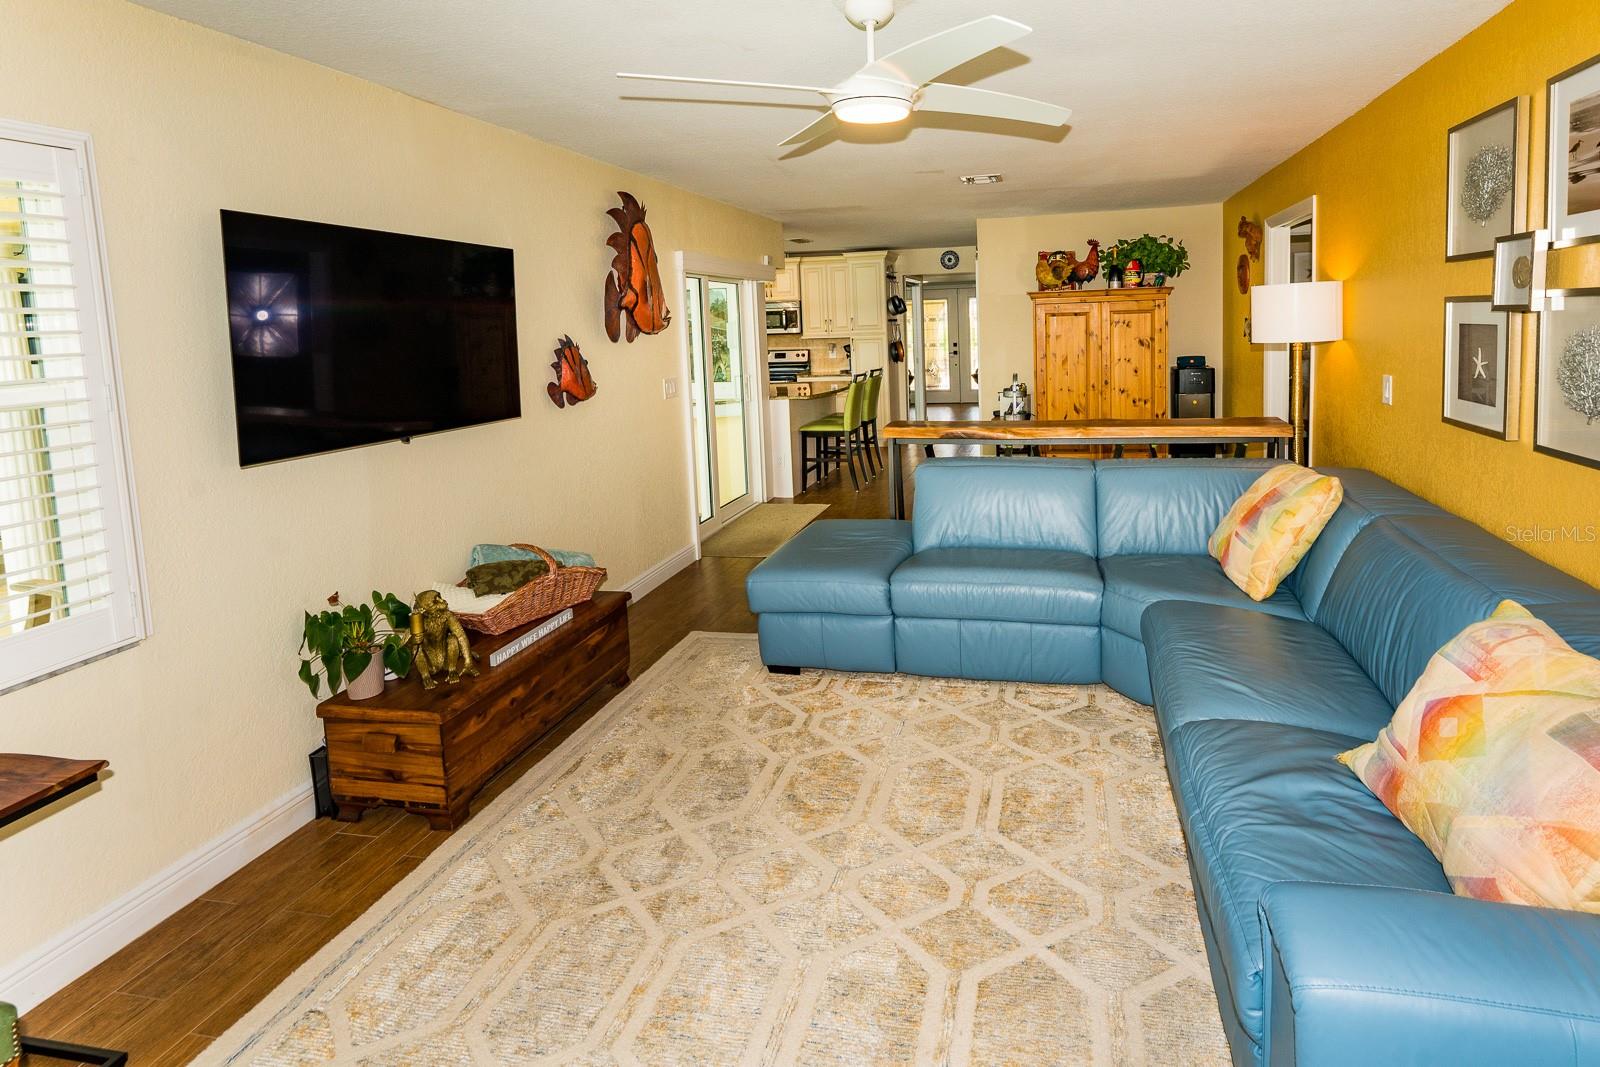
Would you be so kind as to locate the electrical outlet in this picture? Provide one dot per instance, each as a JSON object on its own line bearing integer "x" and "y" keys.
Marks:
{"x": 669, "y": 388}
{"x": 1388, "y": 389}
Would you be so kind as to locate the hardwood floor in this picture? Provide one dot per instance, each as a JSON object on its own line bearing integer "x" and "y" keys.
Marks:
{"x": 167, "y": 995}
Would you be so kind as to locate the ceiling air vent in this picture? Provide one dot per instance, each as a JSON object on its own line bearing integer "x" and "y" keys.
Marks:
{"x": 981, "y": 179}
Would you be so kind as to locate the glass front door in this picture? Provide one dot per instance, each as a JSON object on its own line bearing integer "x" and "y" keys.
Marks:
{"x": 950, "y": 345}
{"x": 718, "y": 399}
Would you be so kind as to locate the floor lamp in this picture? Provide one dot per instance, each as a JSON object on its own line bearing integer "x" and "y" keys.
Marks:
{"x": 1297, "y": 314}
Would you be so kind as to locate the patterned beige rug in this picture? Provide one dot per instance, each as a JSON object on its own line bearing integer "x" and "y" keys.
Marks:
{"x": 731, "y": 867}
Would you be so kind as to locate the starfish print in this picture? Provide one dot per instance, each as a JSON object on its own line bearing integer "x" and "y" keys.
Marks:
{"x": 1479, "y": 365}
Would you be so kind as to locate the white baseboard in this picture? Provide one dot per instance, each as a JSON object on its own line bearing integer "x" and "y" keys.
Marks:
{"x": 29, "y": 980}
{"x": 653, "y": 577}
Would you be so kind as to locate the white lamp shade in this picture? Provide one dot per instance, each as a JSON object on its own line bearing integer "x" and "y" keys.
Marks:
{"x": 1296, "y": 312}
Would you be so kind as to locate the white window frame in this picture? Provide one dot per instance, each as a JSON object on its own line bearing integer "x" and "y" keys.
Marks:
{"x": 48, "y": 650}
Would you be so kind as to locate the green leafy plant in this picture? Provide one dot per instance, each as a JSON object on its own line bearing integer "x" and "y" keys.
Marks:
{"x": 338, "y": 644}
{"x": 1156, "y": 255}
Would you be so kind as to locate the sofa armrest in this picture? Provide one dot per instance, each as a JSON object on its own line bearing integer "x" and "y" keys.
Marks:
{"x": 1372, "y": 974}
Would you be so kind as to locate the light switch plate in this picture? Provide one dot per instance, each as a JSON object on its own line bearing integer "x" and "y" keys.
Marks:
{"x": 1388, "y": 389}
{"x": 669, "y": 388}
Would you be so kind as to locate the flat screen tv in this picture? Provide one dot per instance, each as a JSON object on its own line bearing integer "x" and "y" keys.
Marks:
{"x": 344, "y": 337}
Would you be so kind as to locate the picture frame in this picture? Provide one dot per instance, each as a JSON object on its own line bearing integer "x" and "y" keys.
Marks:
{"x": 1572, "y": 156}
{"x": 1482, "y": 368}
{"x": 1486, "y": 193}
{"x": 1519, "y": 271}
{"x": 1566, "y": 410}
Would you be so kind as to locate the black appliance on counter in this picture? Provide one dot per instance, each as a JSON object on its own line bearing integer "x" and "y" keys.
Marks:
{"x": 1194, "y": 391}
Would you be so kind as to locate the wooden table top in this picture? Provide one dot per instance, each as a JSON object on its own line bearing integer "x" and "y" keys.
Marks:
{"x": 27, "y": 781}
{"x": 1155, "y": 430}
{"x": 405, "y": 700}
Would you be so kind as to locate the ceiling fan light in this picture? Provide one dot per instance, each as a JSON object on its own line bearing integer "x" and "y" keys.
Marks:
{"x": 871, "y": 110}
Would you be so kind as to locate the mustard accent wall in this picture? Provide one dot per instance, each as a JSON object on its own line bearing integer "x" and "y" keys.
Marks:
{"x": 204, "y": 723}
{"x": 1380, "y": 182}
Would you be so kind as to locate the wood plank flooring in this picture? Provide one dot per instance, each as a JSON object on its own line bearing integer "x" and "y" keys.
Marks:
{"x": 164, "y": 997}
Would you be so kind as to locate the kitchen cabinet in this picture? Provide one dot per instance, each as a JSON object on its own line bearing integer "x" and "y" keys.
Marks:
{"x": 785, "y": 284}
{"x": 1100, "y": 354}
{"x": 869, "y": 297}
{"x": 824, "y": 297}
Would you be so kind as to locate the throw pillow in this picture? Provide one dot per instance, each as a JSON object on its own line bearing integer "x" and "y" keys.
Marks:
{"x": 1273, "y": 525}
{"x": 1493, "y": 760}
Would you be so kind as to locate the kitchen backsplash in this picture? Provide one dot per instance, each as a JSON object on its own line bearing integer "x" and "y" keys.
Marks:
{"x": 821, "y": 362}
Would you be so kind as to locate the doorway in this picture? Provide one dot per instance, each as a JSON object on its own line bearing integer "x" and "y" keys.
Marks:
{"x": 723, "y": 354}
{"x": 1291, "y": 256}
{"x": 950, "y": 344}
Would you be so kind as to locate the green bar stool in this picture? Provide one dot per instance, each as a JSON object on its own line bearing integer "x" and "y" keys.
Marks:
{"x": 834, "y": 437}
{"x": 869, "y": 419}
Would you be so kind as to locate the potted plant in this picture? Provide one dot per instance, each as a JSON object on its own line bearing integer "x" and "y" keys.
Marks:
{"x": 355, "y": 643}
{"x": 1161, "y": 258}
{"x": 1114, "y": 260}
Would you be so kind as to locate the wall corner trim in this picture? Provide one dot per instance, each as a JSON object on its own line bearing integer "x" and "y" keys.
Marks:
{"x": 654, "y": 576}
{"x": 75, "y": 951}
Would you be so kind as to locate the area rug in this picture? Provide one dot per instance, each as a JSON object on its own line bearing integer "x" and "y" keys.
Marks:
{"x": 730, "y": 867}
{"x": 761, "y": 530}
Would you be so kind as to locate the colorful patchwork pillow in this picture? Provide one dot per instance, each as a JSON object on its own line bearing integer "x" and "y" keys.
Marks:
{"x": 1273, "y": 525}
{"x": 1493, "y": 760}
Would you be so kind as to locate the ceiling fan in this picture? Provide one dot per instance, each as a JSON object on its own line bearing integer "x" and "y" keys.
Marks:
{"x": 889, "y": 89}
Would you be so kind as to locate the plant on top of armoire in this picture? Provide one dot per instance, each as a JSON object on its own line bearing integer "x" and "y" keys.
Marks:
{"x": 347, "y": 643}
{"x": 1160, "y": 258}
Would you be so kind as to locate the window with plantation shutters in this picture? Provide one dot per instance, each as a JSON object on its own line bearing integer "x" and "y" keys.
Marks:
{"x": 69, "y": 565}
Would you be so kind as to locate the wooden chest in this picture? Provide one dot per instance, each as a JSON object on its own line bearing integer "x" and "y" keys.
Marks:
{"x": 430, "y": 751}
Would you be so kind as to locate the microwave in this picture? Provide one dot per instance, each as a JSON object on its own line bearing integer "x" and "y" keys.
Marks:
{"x": 783, "y": 317}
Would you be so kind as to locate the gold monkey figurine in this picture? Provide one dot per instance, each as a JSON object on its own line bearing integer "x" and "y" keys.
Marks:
{"x": 438, "y": 643}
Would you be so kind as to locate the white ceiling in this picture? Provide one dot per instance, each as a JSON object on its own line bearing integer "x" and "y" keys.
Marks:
{"x": 1174, "y": 101}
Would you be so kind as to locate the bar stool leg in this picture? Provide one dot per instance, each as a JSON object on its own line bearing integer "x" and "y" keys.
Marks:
{"x": 847, "y": 443}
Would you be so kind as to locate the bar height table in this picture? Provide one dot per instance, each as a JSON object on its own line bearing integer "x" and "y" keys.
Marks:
{"x": 1274, "y": 433}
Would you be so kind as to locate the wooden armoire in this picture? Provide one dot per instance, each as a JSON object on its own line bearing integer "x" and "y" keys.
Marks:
{"x": 1100, "y": 354}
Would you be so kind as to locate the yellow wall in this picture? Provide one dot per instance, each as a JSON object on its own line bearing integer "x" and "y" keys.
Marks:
{"x": 1379, "y": 178}
{"x": 1010, "y": 248}
{"x": 205, "y": 723}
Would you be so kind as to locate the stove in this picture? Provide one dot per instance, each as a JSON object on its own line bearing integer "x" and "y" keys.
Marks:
{"x": 788, "y": 364}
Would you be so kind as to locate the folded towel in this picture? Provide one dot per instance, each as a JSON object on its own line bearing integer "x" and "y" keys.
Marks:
{"x": 496, "y": 553}
{"x": 464, "y": 601}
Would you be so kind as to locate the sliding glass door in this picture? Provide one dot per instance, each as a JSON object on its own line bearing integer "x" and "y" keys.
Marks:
{"x": 720, "y": 375}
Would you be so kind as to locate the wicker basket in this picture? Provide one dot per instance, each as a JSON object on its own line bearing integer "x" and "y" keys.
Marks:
{"x": 561, "y": 587}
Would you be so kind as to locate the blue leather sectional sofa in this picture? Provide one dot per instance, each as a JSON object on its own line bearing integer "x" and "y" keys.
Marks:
{"x": 1332, "y": 932}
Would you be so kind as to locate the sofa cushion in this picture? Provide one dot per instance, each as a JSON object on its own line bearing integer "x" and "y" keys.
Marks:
{"x": 1366, "y": 497}
{"x": 1494, "y": 561}
{"x": 834, "y": 566}
{"x": 1578, "y": 623}
{"x": 1005, "y": 503}
{"x": 1211, "y": 662}
{"x": 1001, "y": 584}
{"x": 1392, "y": 603}
{"x": 1133, "y": 583}
{"x": 1263, "y": 802}
{"x": 1170, "y": 506}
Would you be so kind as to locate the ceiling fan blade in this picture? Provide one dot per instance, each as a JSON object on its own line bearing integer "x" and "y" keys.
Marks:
{"x": 825, "y": 124}
{"x": 965, "y": 100}
{"x": 722, "y": 81}
{"x": 932, "y": 56}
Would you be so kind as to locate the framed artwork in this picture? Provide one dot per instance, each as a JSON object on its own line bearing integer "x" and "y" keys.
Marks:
{"x": 1486, "y": 196}
{"x": 1572, "y": 166}
{"x": 1567, "y": 404}
{"x": 1519, "y": 262}
{"x": 1480, "y": 378}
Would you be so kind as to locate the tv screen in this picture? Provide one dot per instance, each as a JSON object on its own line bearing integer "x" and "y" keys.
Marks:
{"x": 344, "y": 337}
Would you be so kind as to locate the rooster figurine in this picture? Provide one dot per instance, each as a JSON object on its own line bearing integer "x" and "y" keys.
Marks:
{"x": 1080, "y": 272}
{"x": 1045, "y": 271}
